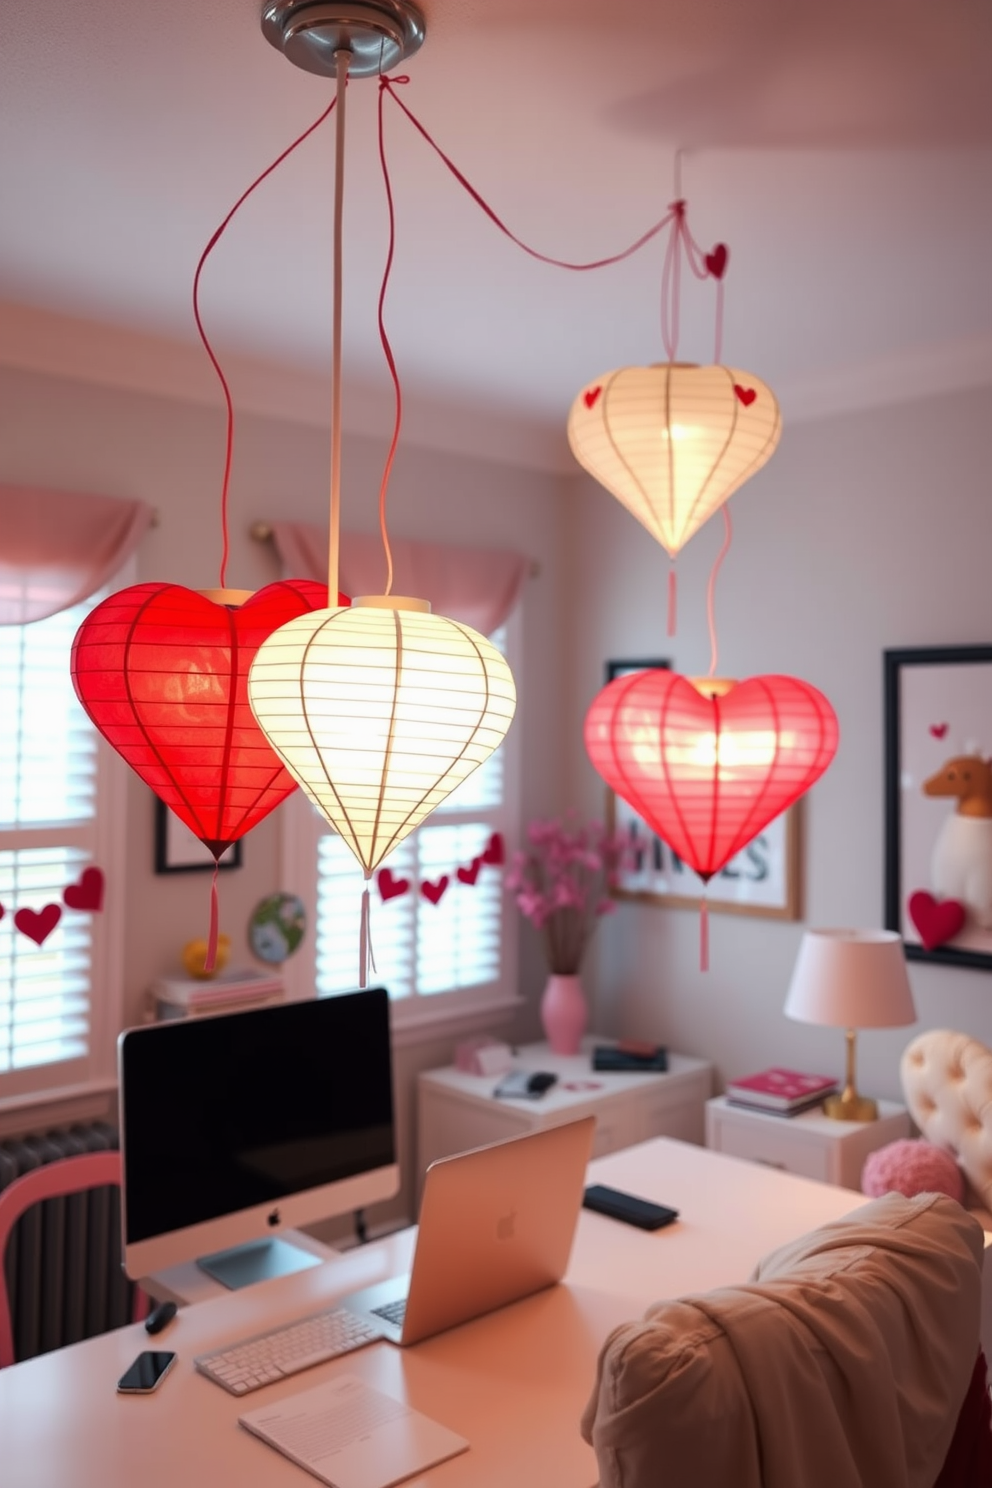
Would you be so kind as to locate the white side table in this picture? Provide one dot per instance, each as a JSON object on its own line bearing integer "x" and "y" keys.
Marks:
{"x": 457, "y": 1111}
{"x": 811, "y": 1144}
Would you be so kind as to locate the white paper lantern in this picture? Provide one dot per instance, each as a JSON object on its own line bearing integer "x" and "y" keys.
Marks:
{"x": 673, "y": 441}
{"x": 379, "y": 711}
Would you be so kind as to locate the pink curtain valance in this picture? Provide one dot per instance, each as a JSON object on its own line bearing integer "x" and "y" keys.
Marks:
{"x": 59, "y": 547}
{"x": 477, "y": 586}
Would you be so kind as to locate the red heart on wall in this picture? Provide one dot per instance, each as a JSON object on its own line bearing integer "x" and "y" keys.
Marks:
{"x": 163, "y": 673}
{"x": 390, "y": 887}
{"x": 937, "y": 920}
{"x": 87, "y": 893}
{"x": 716, "y": 262}
{"x": 38, "y": 925}
{"x": 495, "y": 852}
{"x": 746, "y": 395}
{"x": 708, "y": 772}
{"x": 432, "y": 891}
{"x": 938, "y": 730}
{"x": 469, "y": 875}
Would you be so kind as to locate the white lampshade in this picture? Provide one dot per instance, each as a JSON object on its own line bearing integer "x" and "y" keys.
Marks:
{"x": 379, "y": 711}
{"x": 851, "y": 979}
{"x": 673, "y": 441}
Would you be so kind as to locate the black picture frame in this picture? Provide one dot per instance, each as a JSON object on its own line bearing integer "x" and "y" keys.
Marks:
{"x": 930, "y": 694}
{"x": 178, "y": 851}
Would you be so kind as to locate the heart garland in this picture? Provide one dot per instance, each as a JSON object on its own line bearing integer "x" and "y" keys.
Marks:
{"x": 493, "y": 854}
{"x": 86, "y": 895}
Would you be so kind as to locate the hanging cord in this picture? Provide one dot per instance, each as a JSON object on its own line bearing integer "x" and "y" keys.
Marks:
{"x": 210, "y": 960}
{"x": 341, "y": 59}
{"x": 386, "y": 347}
{"x": 366, "y": 955}
{"x": 704, "y": 932}
{"x": 229, "y": 452}
{"x": 728, "y": 533}
{"x": 682, "y": 243}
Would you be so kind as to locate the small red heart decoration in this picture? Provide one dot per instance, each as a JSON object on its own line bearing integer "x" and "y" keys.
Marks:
{"x": 716, "y": 262}
{"x": 87, "y": 893}
{"x": 746, "y": 395}
{"x": 2, "y": 911}
{"x": 495, "y": 852}
{"x": 38, "y": 925}
{"x": 432, "y": 892}
{"x": 469, "y": 875}
{"x": 590, "y": 397}
{"x": 938, "y": 730}
{"x": 390, "y": 887}
{"x": 937, "y": 920}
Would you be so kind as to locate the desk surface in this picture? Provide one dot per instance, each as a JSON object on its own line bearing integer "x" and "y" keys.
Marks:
{"x": 513, "y": 1383}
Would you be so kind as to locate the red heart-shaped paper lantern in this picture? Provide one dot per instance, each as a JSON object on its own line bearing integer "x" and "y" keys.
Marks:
{"x": 162, "y": 672}
{"x": 708, "y": 764}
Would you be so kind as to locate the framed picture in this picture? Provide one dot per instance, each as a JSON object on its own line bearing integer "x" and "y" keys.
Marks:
{"x": 938, "y": 803}
{"x": 763, "y": 879}
{"x": 178, "y": 851}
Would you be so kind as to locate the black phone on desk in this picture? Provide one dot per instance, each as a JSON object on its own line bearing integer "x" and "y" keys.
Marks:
{"x": 146, "y": 1373}
{"x": 628, "y": 1207}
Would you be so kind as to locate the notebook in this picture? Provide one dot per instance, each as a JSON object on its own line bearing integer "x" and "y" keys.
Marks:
{"x": 352, "y": 1436}
{"x": 496, "y": 1224}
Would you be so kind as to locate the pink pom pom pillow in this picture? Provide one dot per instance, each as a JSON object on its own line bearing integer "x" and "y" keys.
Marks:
{"x": 911, "y": 1167}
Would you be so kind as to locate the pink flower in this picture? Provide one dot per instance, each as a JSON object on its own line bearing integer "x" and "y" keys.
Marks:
{"x": 561, "y": 883}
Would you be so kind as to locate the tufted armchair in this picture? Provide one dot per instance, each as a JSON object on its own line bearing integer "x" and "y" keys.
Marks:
{"x": 947, "y": 1083}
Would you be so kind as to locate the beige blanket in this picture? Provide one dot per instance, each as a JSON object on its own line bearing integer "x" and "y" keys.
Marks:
{"x": 842, "y": 1363}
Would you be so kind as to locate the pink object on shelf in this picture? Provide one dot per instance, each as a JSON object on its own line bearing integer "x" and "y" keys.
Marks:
{"x": 911, "y": 1166}
{"x": 483, "y": 1056}
{"x": 564, "y": 1013}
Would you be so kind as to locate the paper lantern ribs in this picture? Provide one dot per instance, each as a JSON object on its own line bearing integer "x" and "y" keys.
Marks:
{"x": 707, "y": 763}
{"x": 162, "y": 672}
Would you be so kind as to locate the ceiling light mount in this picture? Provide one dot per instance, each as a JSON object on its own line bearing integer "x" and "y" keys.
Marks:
{"x": 378, "y": 33}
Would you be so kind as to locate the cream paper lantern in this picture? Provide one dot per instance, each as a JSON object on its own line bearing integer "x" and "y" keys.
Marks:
{"x": 380, "y": 710}
{"x": 673, "y": 441}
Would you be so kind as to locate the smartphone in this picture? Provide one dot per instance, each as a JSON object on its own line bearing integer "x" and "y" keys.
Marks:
{"x": 147, "y": 1371}
{"x": 625, "y": 1206}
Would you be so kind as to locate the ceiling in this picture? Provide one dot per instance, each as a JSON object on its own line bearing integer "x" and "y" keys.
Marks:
{"x": 843, "y": 151}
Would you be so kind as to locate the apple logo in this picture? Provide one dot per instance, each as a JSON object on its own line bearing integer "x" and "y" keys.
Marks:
{"x": 273, "y": 1219}
{"x": 504, "y": 1226}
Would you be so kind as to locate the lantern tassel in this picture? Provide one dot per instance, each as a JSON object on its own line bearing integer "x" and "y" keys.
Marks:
{"x": 672, "y": 600}
{"x": 363, "y": 941}
{"x": 704, "y": 935}
{"x": 211, "y": 957}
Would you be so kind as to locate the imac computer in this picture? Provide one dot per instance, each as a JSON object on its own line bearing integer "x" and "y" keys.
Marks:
{"x": 239, "y": 1125}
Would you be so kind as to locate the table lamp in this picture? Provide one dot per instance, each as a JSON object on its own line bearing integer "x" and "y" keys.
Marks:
{"x": 851, "y": 979}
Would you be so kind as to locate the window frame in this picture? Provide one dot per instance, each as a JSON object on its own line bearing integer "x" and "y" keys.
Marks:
{"x": 428, "y": 1015}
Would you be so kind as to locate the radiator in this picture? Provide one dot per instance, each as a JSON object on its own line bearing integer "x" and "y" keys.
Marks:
{"x": 63, "y": 1262}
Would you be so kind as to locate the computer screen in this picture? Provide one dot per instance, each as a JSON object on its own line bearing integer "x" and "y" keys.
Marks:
{"x": 240, "y": 1125}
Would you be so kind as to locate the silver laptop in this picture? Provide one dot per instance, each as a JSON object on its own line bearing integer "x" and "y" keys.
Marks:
{"x": 496, "y": 1224}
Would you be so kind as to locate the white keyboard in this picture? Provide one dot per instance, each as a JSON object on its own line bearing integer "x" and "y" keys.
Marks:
{"x": 253, "y": 1362}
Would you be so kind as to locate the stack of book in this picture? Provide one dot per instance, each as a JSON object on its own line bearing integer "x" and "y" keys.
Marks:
{"x": 228, "y": 992}
{"x": 782, "y": 1092}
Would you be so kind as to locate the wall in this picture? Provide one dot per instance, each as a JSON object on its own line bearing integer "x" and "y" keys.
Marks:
{"x": 866, "y": 531}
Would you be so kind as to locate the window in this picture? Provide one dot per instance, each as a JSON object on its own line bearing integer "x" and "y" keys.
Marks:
{"x": 452, "y": 958}
{"x": 53, "y": 775}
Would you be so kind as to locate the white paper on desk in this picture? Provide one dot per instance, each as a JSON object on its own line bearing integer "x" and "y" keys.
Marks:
{"x": 352, "y": 1436}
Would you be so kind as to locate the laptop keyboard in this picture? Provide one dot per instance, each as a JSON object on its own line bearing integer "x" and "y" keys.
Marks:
{"x": 393, "y": 1312}
{"x": 253, "y": 1362}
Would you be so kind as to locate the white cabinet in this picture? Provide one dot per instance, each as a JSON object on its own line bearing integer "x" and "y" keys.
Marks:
{"x": 457, "y": 1111}
{"x": 813, "y": 1145}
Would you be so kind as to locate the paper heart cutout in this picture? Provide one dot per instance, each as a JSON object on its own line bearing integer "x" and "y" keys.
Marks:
{"x": 469, "y": 875}
{"x": 2, "y": 911}
{"x": 38, "y": 925}
{"x": 746, "y": 395}
{"x": 708, "y": 772}
{"x": 433, "y": 891}
{"x": 495, "y": 851}
{"x": 87, "y": 893}
{"x": 716, "y": 262}
{"x": 163, "y": 673}
{"x": 590, "y": 397}
{"x": 938, "y": 730}
{"x": 390, "y": 887}
{"x": 937, "y": 920}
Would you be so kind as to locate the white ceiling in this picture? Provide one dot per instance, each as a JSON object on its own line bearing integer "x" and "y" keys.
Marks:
{"x": 842, "y": 150}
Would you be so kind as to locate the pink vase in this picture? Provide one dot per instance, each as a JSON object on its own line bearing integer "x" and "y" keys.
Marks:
{"x": 564, "y": 1013}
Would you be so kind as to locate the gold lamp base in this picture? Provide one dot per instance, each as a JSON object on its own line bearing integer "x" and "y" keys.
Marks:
{"x": 850, "y": 1107}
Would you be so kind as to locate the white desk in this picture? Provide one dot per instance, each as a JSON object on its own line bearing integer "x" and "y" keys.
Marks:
{"x": 513, "y": 1383}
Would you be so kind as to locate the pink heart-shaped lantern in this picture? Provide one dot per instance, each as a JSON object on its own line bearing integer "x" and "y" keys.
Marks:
{"x": 937, "y": 920}
{"x": 162, "y": 672}
{"x": 87, "y": 893}
{"x": 708, "y": 769}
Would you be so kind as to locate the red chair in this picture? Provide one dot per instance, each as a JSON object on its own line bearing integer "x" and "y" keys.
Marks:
{"x": 53, "y": 1180}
